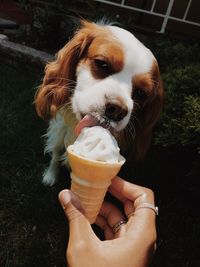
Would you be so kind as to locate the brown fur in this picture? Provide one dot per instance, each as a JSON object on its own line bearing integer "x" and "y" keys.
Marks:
{"x": 60, "y": 79}
{"x": 54, "y": 91}
{"x": 145, "y": 115}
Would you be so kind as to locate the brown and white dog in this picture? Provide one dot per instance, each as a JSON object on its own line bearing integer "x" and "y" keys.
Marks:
{"x": 103, "y": 76}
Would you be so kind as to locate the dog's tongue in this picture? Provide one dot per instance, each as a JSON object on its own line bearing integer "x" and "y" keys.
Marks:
{"x": 87, "y": 121}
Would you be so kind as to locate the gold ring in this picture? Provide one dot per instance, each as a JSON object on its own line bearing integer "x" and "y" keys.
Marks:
{"x": 117, "y": 226}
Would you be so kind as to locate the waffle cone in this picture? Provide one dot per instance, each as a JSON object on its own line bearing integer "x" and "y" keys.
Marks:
{"x": 90, "y": 181}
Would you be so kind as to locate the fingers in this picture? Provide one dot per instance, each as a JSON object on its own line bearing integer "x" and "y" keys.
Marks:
{"x": 79, "y": 226}
{"x": 107, "y": 219}
{"x": 103, "y": 224}
{"x": 111, "y": 213}
{"x": 131, "y": 195}
{"x": 71, "y": 204}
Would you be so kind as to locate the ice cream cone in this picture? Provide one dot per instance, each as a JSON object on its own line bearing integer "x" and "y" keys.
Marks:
{"x": 90, "y": 181}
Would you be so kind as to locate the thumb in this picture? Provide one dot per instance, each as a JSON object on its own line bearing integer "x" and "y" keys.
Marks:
{"x": 79, "y": 226}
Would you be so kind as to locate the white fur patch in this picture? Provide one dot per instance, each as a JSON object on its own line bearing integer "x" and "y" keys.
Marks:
{"x": 138, "y": 58}
{"x": 91, "y": 94}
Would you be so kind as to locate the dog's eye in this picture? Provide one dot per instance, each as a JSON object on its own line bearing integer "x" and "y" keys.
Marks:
{"x": 139, "y": 93}
{"x": 101, "y": 68}
{"x": 102, "y": 64}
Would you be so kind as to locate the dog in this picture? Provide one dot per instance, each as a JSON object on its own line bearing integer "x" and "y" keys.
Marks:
{"x": 103, "y": 76}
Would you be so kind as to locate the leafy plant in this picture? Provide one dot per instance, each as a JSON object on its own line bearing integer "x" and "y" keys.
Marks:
{"x": 179, "y": 126}
{"x": 47, "y": 28}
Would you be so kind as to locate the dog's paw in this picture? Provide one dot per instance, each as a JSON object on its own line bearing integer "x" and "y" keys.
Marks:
{"x": 49, "y": 177}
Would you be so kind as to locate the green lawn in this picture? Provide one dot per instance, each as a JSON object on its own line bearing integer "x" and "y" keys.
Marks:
{"x": 33, "y": 230}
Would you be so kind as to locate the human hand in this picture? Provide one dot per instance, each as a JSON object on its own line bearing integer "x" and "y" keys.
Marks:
{"x": 131, "y": 246}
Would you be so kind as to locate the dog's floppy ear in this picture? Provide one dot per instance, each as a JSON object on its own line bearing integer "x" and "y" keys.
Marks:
{"x": 137, "y": 143}
{"x": 60, "y": 74}
{"x": 149, "y": 115}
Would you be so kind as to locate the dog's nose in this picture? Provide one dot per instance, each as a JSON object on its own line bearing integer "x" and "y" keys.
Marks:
{"x": 115, "y": 111}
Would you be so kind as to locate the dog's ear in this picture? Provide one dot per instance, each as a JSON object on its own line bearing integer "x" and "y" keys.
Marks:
{"x": 149, "y": 115}
{"x": 60, "y": 74}
{"x": 136, "y": 139}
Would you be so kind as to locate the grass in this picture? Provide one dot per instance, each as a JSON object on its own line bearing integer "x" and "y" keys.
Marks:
{"x": 31, "y": 233}
{"x": 33, "y": 230}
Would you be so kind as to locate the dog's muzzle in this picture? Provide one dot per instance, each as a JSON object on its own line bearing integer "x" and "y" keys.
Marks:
{"x": 115, "y": 112}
